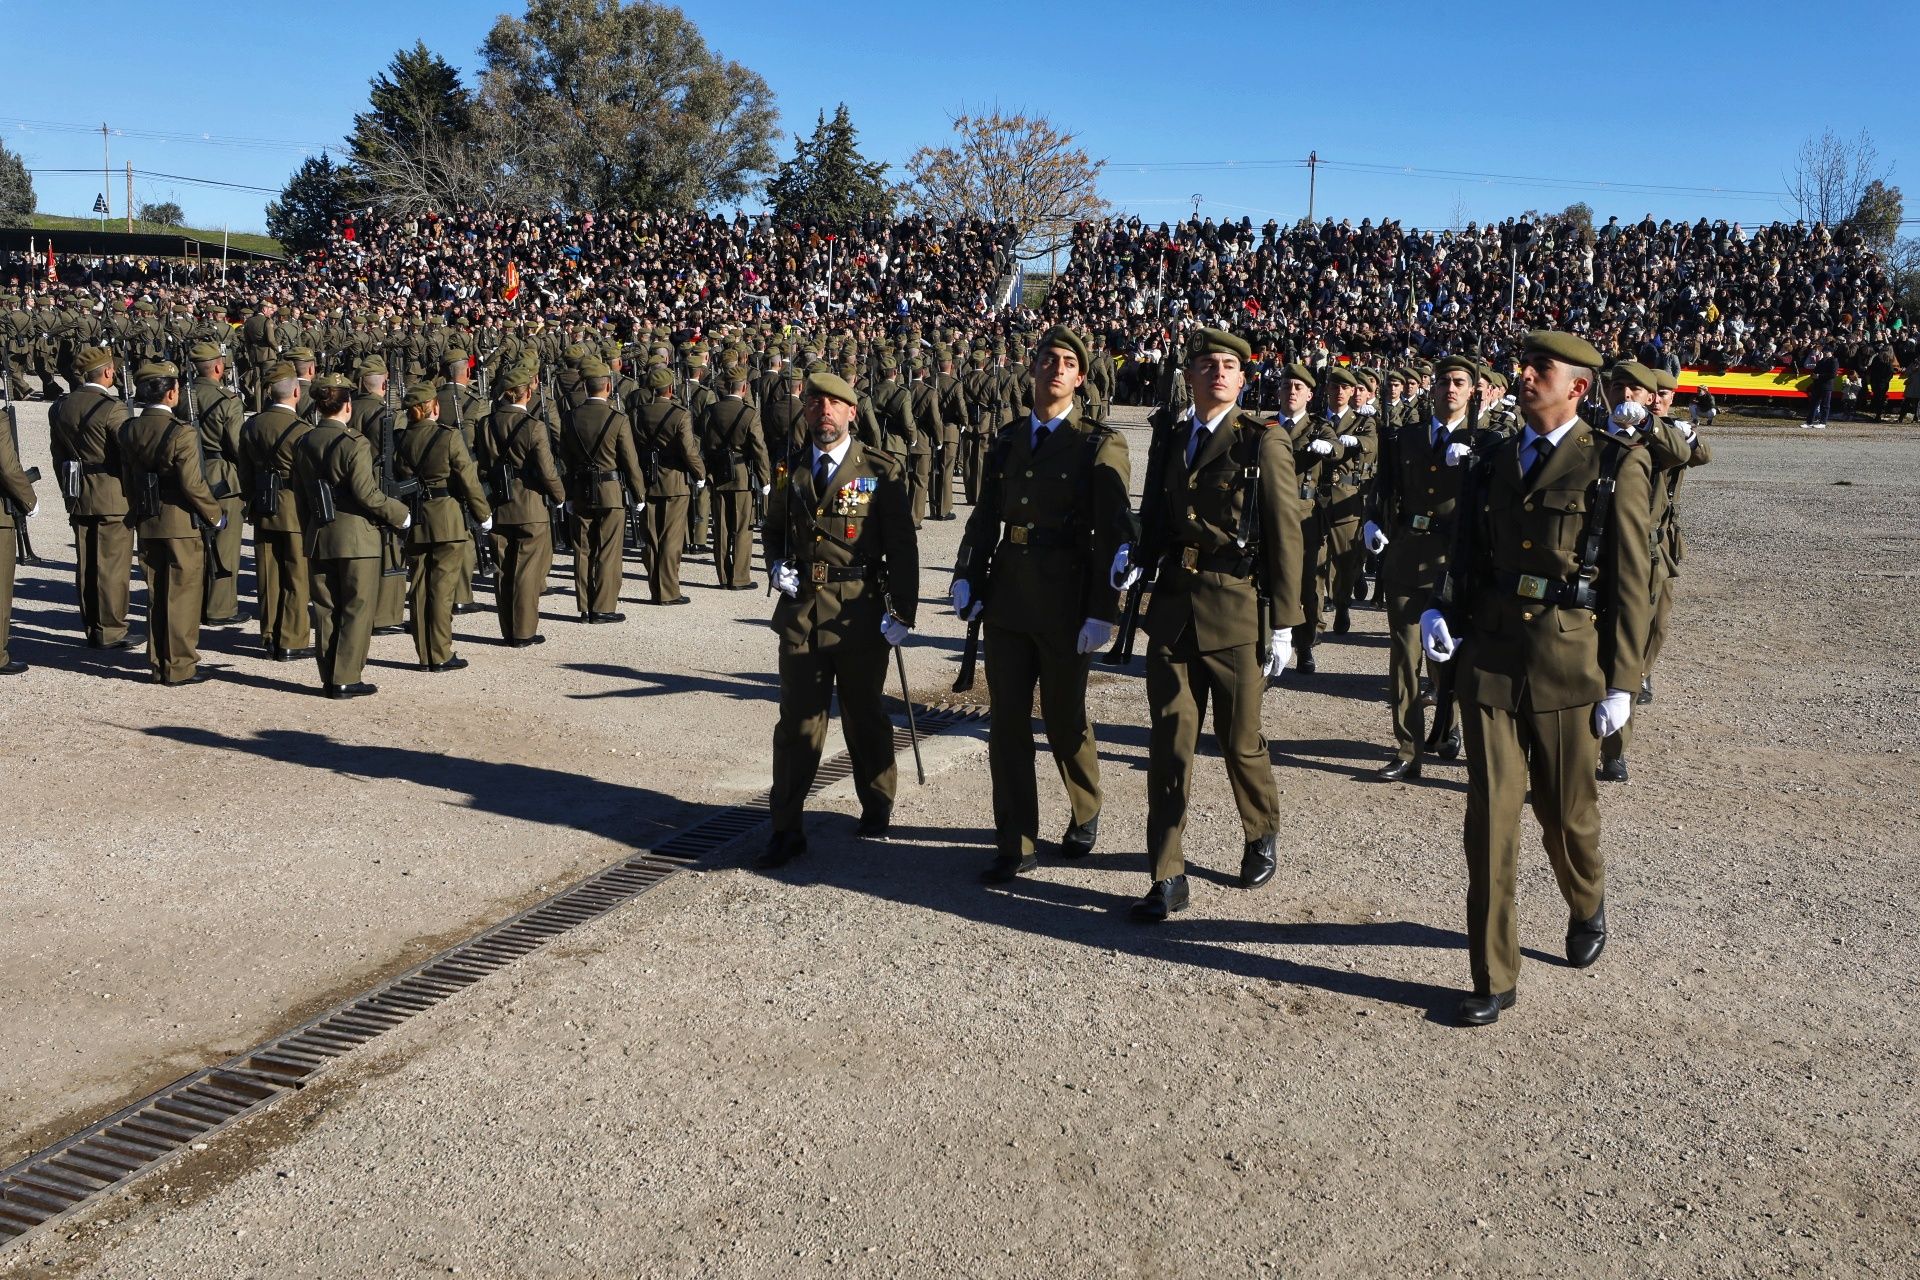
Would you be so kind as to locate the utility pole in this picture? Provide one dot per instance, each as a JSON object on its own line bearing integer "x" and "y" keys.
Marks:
{"x": 1313, "y": 172}
{"x": 106, "y": 175}
{"x": 129, "y": 197}
{"x": 1195, "y": 197}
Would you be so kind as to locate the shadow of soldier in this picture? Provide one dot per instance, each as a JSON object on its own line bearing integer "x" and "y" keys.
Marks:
{"x": 749, "y": 686}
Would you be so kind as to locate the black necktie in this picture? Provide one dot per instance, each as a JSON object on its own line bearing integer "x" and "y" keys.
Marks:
{"x": 1040, "y": 434}
{"x": 1542, "y": 450}
{"x": 822, "y": 471}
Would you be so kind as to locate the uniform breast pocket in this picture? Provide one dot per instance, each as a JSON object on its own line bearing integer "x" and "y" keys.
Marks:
{"x": 1566, "y": 516}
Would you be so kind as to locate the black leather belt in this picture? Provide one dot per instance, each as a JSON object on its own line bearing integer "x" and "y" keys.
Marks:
{"x": 1235, "y": 564}
{"x": 1418, "y": 523}
{"x": 819, "y": 571}
{"x": 430, "y": 491}
{"x": 1572, "y": 595}
{"x": 1021, "y": 536}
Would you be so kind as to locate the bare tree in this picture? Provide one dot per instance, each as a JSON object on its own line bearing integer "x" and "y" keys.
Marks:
{"x": 487, "y": 168}
{"x": 1457, "y": 219}
{"x": 1010, "y": 168}
{"x": 1830, "y": 175}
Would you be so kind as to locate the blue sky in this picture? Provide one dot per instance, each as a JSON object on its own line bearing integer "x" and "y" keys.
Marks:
{"x": 1710, "y": 97}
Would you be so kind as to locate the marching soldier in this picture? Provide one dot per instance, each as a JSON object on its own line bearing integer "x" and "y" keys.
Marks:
{"x": 260, "y": 344}
{"x": 1221, "y": 516}
{"x": 1411, "y": 530}
{"x": 268, "y": 441}
{"x": 17, "y": 502}
{"x": 435, "y": 453}
{"x": 462, "y": 407}
{"x": 216, "y": 413}
{"x": 1629, "y": 392}
{"x": 1341, "y": 496}
{"x": 951, "y": 398}
{"x": 1681, "y": 449}
{"x": 986, "y": 411}
{"x": 1036, "y": 557}
{"x": 373, "y": 420}
{"x": 1312, "y": 443}
{"x": 515, "y": 451}
{"x": 1547, "y": 589}
{"x": 736, "y": 459}
{"x": 175, "y": 509}
{"x": 674, "y": 469}
{"x": 923, "y": 404}
{"x": 839, "y": 534}
{"x": 598, "y": 457}
{"x": 85, "y": 426}
{"x": 343, "y": 512}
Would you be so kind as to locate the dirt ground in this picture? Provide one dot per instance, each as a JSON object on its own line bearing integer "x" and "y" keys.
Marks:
{"x": 869, "y": 1064}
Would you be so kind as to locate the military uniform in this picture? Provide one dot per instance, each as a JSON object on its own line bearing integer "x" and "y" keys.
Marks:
{"x": 736, "y": 461}
{"x": 17, "y": 502}
{"x": 598, "y": 457}
{"x": 268, "y": 442}
{"x": 1309, "y": 462}
{"x": 1037, "y": 551}
{"x": 217, "y": 413}
{"x": 519, "y": 464}
{"x": 954, "y": 415}
{"x": 173, "y": 556}
{"x": 986, "y": 411}
{"x": 85, "y": 426}
{"x": 670, "y": 455}
{"x": 462, "y": 407}
{"x": 435, "y": 454}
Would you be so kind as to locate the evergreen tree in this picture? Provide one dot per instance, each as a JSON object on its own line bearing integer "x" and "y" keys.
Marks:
{"x": 416, "y": 101}
{"x": 16, "y": 190}
{"x": 828, "y": 180}
{"x": 315, "y": 197}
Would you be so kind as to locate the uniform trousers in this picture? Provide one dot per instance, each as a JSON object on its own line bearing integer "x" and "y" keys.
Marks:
{"x": 597, "y": 568}
{"x": 280, "y": 564}
{"x": 223, "y": 589}
{"x": 666, "y": 536}
{"x": 919, "y": 481}
{"x": 345, "y": 593}
{"x": 940, "y": 497}
{"x": 103, "y": 575}
{"x": 1016, "y": 662}
{"x": 808, "y": 680}
{"x": 733, "y": 536}
{"x": 433, "y": 575}
{"x": 523, "y": 553}
{"x": 175, "y": 569}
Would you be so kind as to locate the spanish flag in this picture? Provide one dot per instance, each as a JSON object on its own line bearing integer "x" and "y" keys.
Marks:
{"x": 513, "y": 282}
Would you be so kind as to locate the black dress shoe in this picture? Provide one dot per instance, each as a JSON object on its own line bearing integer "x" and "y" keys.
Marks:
{"x": 1586, "y": 939}
{"x": 198, "y": 677}
{"x": 1426, "y": 698}
{"x": 1079, "y": 838}
{"x": 1399, "y": 771}
{"x": 783, "y": 847}
{"x": 471, "y": 606}
{"x": 15, "y": 668}
{"x": 227, "y": 621}
{"x": 1449, "y": 746}
{"x": 124, "y": 642}
{"x": 1342, "y": 621}
{"x": 606, "y": 617}
{"x": 748, "y": 585}
{"x": 1165, "y": 898}
{"x": 1614, "y": 770}
{"x": 1646, "y": 690}
{"x": 1007, "y": 866}
{"x": 397, "y": 629}
{"x": 1304, "y": 663}
{"x": 681, "y": 600}
{"x": 875, "y": 822}
{"x": 526, "y": 642}
{"x": 1480, "y": 1009}
{"x": 451, "y": 664}
{"x": 358, "y": 689}
{"x": 1257, "y": 864}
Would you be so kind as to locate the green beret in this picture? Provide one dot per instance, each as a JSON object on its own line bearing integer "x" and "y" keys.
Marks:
{"x": 1497, "y": 378}
{"x": 454, "y": 356}
{"x": 978, "y": 356}
{"x": 202, "y": 352}
{"x": 1061, "y": 336}
{"x": 280, "y": 371}
{"x": 299, "y": 355}
{"x": 1299, "y": 373}
{"x": 1564, "y": 347}
{"x": 87, "y": 359}
{"x": 1207, "y": 342}
{"x": 370, "y": 364}
{"x": 1340, "y": 375}
{"x": 827, "y": 384}
{"x": 1665, "y": 381}
{"x": 418, "y": 394}
{"x": 332, "y": 382}
{"x": 1450, "y": 363}
{"x": 574, "y": 353}
{"x": 143, "y": 307}
{"x": 155, "y": 369}
{"x": 659, "y": 377}
{"x": 593, "y": 367}
{"x": 1369, "y": 379}
{"x": 1634, "y": 374}
{"x": 519, "y": 373}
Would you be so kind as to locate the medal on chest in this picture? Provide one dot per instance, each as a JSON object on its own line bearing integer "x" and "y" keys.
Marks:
{"x": 854, "y": 498}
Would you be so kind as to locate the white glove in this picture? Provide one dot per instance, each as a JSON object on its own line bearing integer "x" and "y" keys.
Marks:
{"x": 486, "y": 526}
{"x": 1611, "y": 713}
{"x": 566, "y": 508}
{"x": 1367, "y": 410}
{"x": 963, "y": 601}
{"x": 1124, "y": 572}
{"x": 1321, "y": 447}
{"x": 1435, "y": 640}
{"x": 1458, "y": 452}
{"x": 765, "y": 489}
{"x": 1628, "y": 416}
{"x": 1376, "y": 540}
{"x": 786, "y": 579}
{"x": 1095, "y": 635}
{"x": 895, "y": 631}
{"x": 1350, "y": 442}
{"x": 1280, "y": 650}
{"x": 406, "y": 522}
{"x": 639, "y": 505}
{"x": 36, "y": 511}
{"x": 698, "y": 485}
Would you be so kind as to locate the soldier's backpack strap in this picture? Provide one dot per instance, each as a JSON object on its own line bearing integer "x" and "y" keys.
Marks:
{"x": 1613, "y": 454}
{"x": 1249, "y": 428}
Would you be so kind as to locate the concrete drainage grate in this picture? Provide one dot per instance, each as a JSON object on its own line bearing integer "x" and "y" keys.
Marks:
{"x": 133, "y": 1141}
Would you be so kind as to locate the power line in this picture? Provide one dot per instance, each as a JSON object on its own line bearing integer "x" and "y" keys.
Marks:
{"x": 170, "y": 177}
{"x": 160, "y": 135}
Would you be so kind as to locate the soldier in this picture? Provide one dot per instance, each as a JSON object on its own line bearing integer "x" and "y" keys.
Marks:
{"x": 85, "y": 426}
{"x": 17, "y": 502}
{"x": 782, "y": 423}
{"x": 737, "y": 464}
{"x": 514, "y": 451}
{"x": 598, "y": 457}
{"x": 670, "y": 455}
{"x": 1680, "y": 449}
{"x": 373, "y": 420}
{"x": 1312, "y": 443}
{"x": 1410, "y": 527}
{"x": 462, "y": 407}
{"x": 1630, "y": 390}
{"x": 1547, "y": 588}
{"x": 699, "y": 399}
{"x": 840, "y": 537}
{"x": 1221, "y": 517}
{"x": 1052, "y": 517}
{"x": 986, "y": 412}
{"x": 435, "y": 453}
{"x": 215, "y": 412}
{"x": 342, "y": 514}
{"x": 267, "y": 443}
{"x": 161, "y": 455}
{"x": 950, "y": 398}
{"x": 260, "y": 343}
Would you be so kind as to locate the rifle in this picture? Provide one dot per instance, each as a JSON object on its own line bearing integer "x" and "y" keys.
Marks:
{"x": 483, "y": 565}
{"x": 1151, "y": 498}
{"x": 209, "y": 534}
{"x": 23, "y": 540}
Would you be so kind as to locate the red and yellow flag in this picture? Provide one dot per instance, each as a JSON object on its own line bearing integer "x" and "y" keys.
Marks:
{"x": 512, "y": 290}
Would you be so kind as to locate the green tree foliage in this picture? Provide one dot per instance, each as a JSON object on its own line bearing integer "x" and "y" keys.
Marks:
{"x": 828, "y": 180}
{"x": 16, "y": 190}
{"x": 1877, "y": 215}
{"x": 624, "y": 105}
{"x": 416, "y": 102}
{"x": 315, "y": 197}
{"x": 165, "y": 214}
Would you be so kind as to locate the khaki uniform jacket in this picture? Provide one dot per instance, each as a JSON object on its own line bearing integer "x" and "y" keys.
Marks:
{"x": 14, "y": 485}
{"x": 735, "y": 449}
{"x": 1040, "y": 542}
{"x": 156, "y": 442}
{"x": 847, "y": 524}
{"x": 669, "y": 452}
{"x": 219, "y": 413}
{"x": 1345, "y": 476}
{"x": 86, "y": 433}
{"x": 344, "y": 458}
{"x": 954, "y": 413}
{"x": 1196, "y": 513}
{"x": 267, "y": 444}
{"x": 462, "y": 407}
{"x": 893, "y": 410}
{"x": 1669, "y": 541}
{"x": 515, "y": 439}
{"x": 1415, "y": 501}
{"x": 1512, "y": 645}
{"x": 598, "y": 455}
{"x": 437, "y": 455}
{"x": 924, "y": 396}
{"x": 982, "y": 390}
{"x": 1309, "y": 467}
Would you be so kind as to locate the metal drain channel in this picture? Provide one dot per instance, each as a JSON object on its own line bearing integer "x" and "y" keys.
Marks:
{"x": 111, "y": 1153}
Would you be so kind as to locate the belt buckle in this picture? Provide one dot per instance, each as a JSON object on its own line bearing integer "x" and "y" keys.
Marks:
{"x": 1422, "y": 523}
{"x": 1190, "y": 559}
{"x": 817, "y": 571}
{"x": 1531, "y": 587}
{"x": 1017, "y": 535}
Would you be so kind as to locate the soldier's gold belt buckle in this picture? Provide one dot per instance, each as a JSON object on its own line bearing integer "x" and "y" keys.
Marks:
{"x": 1017, "y": 535}
{"x": 1190, "y": 559}
{"x": 818, "y": 571}
{"x": 1532, "y": 588}
{"x": 1422, "y": 523}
